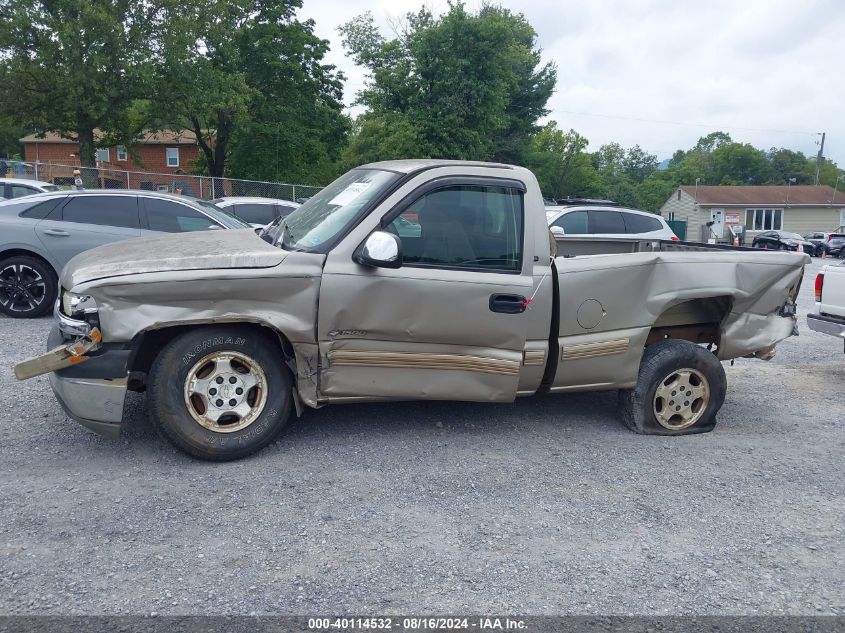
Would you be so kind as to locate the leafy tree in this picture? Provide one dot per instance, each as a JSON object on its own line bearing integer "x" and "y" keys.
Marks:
{"x": 738, "y": 164}
{"x": 388, "y": 136}
{"x": 248, "y": 78}
{"x": 785, "y": 164}
{"x": 464, "y": 85}
{"x": 10, "y": 135}
{"x": 638, "y": 165}
{"x": 72, "y": 66}
{"x": 652, "y": 193}
{"x": 709, "y": 143}
{"x": 557, "y": 159}
{"x": 608, "y": 160}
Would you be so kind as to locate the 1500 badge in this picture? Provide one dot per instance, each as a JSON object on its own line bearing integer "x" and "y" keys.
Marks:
{"x": 336, "y": 333}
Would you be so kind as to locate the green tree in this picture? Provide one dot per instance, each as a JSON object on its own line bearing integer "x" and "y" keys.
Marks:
{"x": 638, "y": 164}
{"x": 388, "y": 136}
{"x": 652, "y": 193}
{"x": 248, "y": 78}
{"x": 557, "y": 158}
{"x": 785, "y": 164}
{"x": 72, "y": 66}
{"x": 741, "y": 164}
{"x": 10, "y": 135}
{"x": 465, "y": 85}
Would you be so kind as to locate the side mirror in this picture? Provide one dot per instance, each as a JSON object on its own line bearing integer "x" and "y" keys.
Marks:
{"x": 557, "y": 231}
{"x": 381, "y": 249}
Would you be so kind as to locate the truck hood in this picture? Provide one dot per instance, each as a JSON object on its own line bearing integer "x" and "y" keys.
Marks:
{"x": 179, "y": 251}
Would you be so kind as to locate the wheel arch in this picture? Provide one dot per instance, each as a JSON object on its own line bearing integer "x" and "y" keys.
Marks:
{"x": 18, "y": 251}
{"x": 697, "y": 320}
{"x": 149, "y": 343}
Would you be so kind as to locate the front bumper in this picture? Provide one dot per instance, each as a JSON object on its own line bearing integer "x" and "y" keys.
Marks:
{"x": 826, "y": 325}
{"x": 92, "y": 393}
{"x": 95, "y": 404}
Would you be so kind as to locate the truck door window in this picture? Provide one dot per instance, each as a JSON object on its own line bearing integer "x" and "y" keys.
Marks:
{"x": 574, "y": 223}
{"x": 467, "y": 226}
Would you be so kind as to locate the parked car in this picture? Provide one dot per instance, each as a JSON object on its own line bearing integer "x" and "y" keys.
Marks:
{"x": 783, "y": 241}
{"x": 228, "y": 334}
{"x": 19, "y": 187}
{"x": 39, "y": 234}
{"x": 821, "y": 240}
{"x": 259, "y": 212}
{"x": 836, "y": 245}
{"x": 828, "y": 316}
{"x": 603, "y": 220}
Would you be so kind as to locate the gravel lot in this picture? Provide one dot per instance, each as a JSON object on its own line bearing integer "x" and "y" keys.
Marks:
{"x": 546, "y": 506}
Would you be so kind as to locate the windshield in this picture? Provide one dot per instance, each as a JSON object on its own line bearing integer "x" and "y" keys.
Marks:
{"x": 790, "y": 236}
{"x": 327, "y": 214}
{"x": 49, "y": 187}
{"x": 226, "y": 217}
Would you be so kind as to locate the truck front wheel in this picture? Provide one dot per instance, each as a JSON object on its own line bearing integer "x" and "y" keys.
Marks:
{"x": 680, "y": 388}
{"x": 220, "y": 393}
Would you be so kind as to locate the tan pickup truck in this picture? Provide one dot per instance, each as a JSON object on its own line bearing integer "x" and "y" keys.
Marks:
{"x": 427, "y": 280}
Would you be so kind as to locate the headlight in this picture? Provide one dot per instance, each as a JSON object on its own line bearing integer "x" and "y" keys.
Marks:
{"x": 74, "y": 305}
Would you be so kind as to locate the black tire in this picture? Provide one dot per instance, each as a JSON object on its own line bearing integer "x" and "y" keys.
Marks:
{"x": 21, "y": 274}
{"x": 169, "y": 408}
{"x": 819, "y": 251}
{"x": 659, "y": 362}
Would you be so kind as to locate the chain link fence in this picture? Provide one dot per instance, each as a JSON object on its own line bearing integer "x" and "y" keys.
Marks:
{"x": 204, "y": 187}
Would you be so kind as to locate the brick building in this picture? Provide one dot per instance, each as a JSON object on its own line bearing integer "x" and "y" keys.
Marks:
{"x": 168, "y": 153}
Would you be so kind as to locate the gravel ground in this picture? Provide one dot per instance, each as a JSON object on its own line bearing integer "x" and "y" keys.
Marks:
{"x": 546, "y": 506}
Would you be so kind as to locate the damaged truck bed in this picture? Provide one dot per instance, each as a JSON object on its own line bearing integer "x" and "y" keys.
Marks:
{"x": 409, "y": 280}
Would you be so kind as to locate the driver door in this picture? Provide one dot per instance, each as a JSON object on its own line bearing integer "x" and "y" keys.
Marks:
{"x": 449, "y": 324}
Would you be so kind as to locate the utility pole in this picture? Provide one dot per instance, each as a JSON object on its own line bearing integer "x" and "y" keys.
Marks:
{"x": 820, "y": 157}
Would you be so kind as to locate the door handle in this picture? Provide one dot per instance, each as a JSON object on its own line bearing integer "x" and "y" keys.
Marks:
{"x": 57, "y": 232}
{"x": 508, "y": 304}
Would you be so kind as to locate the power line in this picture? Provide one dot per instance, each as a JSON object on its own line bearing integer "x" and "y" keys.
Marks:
{"x": 683, "y": 123}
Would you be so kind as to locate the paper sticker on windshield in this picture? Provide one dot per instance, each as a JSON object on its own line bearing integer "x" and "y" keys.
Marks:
{"x": 350, "y": 193}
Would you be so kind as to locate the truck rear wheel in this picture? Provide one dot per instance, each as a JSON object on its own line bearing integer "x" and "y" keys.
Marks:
{"x": 220, "y": 393}
{"x": 680, "y": 388}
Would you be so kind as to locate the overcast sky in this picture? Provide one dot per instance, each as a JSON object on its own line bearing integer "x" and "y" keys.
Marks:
{"x": 662, "y": 73}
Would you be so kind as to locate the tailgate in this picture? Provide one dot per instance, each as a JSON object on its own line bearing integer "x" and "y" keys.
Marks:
{"x": 833, "y": 291}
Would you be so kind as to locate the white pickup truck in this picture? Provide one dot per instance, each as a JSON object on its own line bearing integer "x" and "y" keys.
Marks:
{"x": 829, "y": 315}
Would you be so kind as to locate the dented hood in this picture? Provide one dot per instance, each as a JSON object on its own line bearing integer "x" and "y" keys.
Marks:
{"x": 179, "y": 251}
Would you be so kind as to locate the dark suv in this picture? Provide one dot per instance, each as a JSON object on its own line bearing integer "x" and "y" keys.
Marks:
{"x": 836, "y": 245}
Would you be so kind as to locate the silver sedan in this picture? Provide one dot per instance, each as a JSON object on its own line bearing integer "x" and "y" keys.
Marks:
{"x": 40, "y": 233}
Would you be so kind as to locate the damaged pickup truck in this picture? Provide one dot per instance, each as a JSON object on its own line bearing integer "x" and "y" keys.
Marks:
{"x": 429, "y": 280}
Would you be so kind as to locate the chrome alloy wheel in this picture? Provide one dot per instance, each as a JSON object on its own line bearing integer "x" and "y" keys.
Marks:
{"x": 225, "y": 391}
{"x": 681, "y": 399}
{"x": 22, "y": 288}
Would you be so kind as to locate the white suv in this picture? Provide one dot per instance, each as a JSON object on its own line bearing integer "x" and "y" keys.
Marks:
{"x": 607, "y": 221}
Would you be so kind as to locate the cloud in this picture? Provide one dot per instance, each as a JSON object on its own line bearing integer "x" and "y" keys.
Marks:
{"x": 662, "y": 73}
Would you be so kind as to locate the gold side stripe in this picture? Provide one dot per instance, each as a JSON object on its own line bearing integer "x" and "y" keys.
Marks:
{"x": 534, "y": 357}
{"x": 580, "y": 351}
{"x": 420, "y": 360}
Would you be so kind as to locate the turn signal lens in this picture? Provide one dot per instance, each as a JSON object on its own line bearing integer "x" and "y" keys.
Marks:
{"x": 819, "y": 284}
{"x": 675, "y": 238}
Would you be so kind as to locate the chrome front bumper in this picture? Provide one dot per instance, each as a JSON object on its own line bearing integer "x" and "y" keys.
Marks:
{"x": 826, "y": 325}
{"x": 95, "y": 404}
